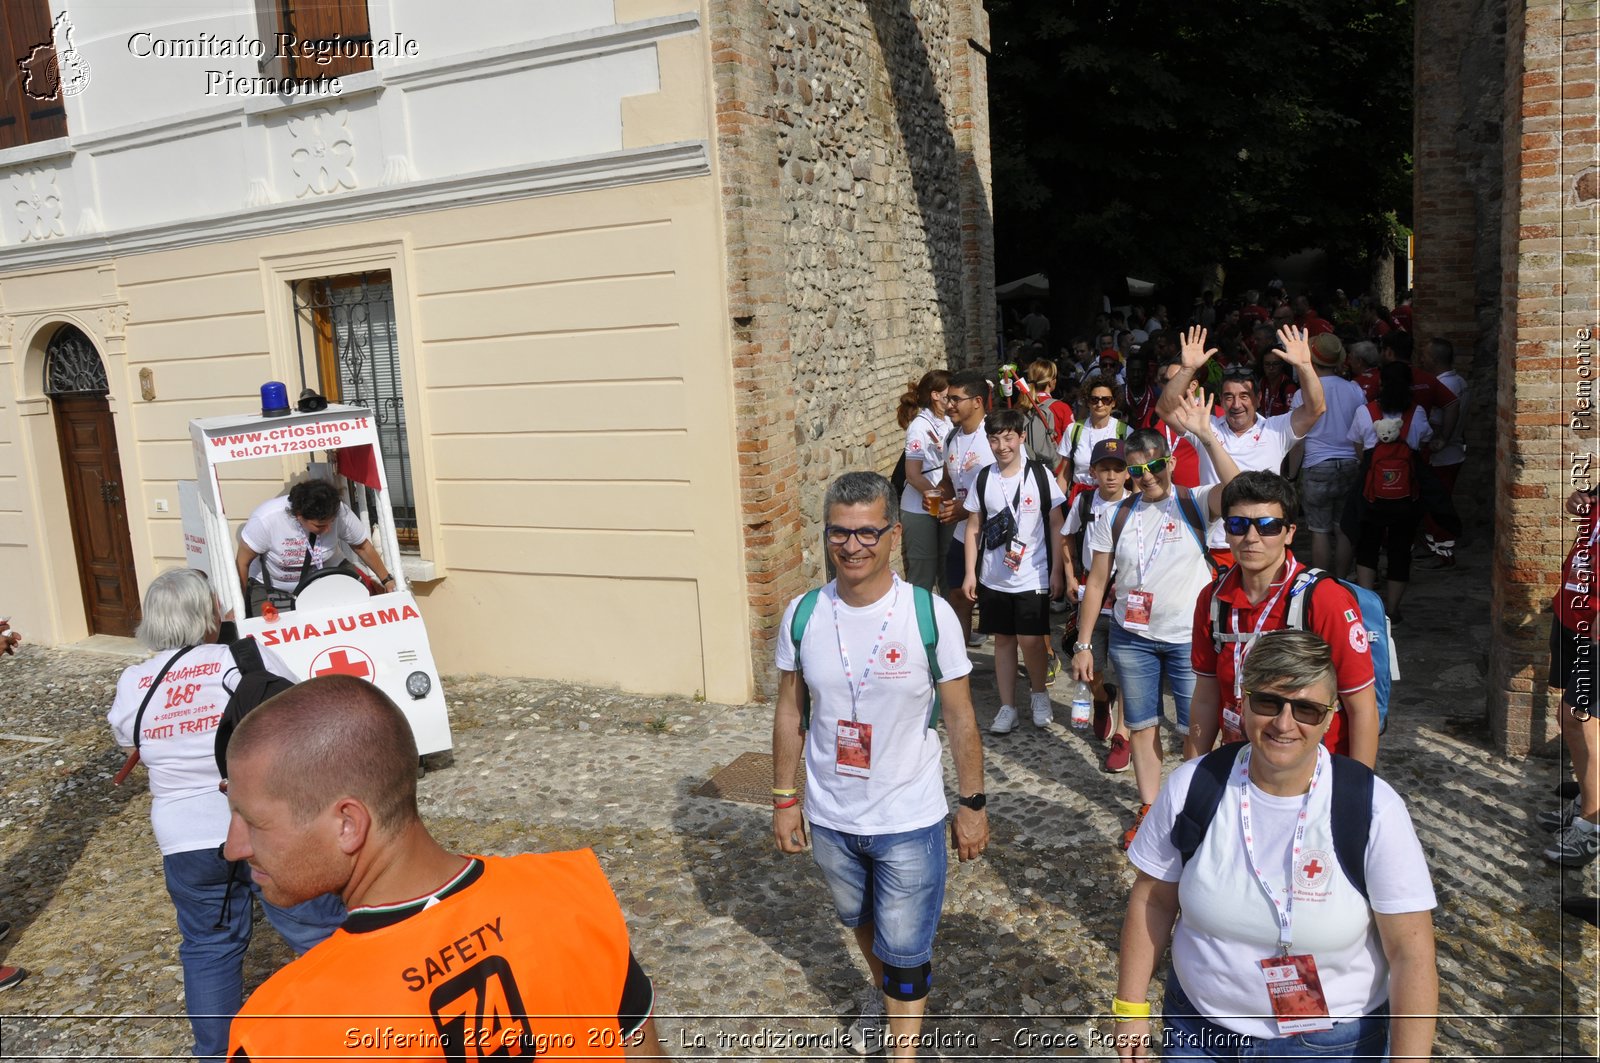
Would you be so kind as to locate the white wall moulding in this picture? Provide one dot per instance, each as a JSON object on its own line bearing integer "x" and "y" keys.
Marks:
{"x": 669, "y": 162}
{"x": 588, "y": 44}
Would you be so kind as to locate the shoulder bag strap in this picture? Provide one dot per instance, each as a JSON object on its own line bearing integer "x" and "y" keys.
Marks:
{"x": 1352, "y": 818}
{"x": 138, "y": 717}
{"x": 1206, "y": 787}
{"x": 928, "y": 630}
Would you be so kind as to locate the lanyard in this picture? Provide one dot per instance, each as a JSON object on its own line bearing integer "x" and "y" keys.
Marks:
{"x": 1240, "y": 649}
{"x": 1284, "y": 908}
{"x": 857, "y": 689}
{"x": 1147, "y": 563}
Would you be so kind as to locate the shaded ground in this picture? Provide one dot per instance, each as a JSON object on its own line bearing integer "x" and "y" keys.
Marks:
{"x": 740, "y": 938}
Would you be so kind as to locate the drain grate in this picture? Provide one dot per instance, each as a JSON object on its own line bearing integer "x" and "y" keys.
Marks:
{"x": 747, "y": 780}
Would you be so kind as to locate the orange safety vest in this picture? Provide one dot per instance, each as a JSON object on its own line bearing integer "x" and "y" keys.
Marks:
{"x": 528, "y": 960}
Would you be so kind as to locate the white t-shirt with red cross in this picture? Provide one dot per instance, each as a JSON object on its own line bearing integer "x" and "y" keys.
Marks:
{"x": 963, "y": 458}
{"x": 273, "y": 532}
{"x": 1032, "y": 514}
{"x": 1100, "y": 510}
{"x": 904, "y": 789}
{"x": 1159, "y": 553}
{"x": 925, "y": 447}
{"x": 178, "y": 737}
{"x": 1227, "y": 924}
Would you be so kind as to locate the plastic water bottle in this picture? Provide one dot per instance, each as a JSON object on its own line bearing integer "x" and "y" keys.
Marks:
{"x": 1082, "y": 706}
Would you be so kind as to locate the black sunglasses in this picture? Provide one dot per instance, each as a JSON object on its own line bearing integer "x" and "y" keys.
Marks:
{"x": 1309, "y": 713}
{"x": 1266, "y": 526}
{"x": 1238, "y": 372}
{"x": 1101, "y": 400}
{"x": 867, "y": 536}
{"x": 1155, "y": 468}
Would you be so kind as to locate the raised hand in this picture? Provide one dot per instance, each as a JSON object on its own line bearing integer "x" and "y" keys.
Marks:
{"x": 1194, "y": 352}
{"x": 1296, "y": 346}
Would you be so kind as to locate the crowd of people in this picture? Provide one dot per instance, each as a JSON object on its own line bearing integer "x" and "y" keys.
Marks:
{"x": 1146, "y": 487}
{"x": 1147, "y": 484}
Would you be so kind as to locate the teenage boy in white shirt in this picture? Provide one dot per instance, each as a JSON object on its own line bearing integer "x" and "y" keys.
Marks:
{"x": 1014, "y": 577}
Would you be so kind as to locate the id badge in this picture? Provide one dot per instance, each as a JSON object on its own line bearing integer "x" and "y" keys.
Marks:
{"x": 853, "y": 749}
{"x": 1136, "y": 613}
{"x": 1295, "y": 990}
{"x": 1014, "y": 551}
{"x": 1232, "y": 726}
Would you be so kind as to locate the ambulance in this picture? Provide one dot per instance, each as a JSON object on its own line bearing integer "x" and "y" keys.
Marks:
{"x": 334, "y": 626}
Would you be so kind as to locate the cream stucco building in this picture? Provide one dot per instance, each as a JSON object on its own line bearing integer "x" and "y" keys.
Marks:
{"x": 529, "y": 233}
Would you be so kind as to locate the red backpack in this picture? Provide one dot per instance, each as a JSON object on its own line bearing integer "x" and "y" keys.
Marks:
{"x": 1391, "y": 474}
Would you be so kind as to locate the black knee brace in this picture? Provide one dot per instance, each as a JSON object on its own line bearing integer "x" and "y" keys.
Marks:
{"x": 907, "y": 983}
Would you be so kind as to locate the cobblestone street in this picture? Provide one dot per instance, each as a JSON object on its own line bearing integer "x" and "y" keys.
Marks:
{"x": 742, "y": 941}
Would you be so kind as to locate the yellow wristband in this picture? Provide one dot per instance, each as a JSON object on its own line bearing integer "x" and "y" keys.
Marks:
{"x": 1122, "y": 1011}
{"x": 784, "y": 793}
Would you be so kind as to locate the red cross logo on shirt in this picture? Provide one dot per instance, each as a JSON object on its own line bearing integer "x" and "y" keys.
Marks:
{"x": 343, "y": 660}
{"x": 893, "y": 656}
{"x": 1028, "y": 501}
{"x": 1313, "y": 869}
{"x": 1170, "y": 528}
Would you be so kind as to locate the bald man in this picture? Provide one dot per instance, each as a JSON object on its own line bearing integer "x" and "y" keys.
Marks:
{"x": 443, "y": 956}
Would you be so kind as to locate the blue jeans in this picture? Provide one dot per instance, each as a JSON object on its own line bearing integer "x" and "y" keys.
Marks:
{"x": 1185, "y": 1034}
{"x": 895, "y": 882}
{"x": 214, "y": 941}
{"x": 1140, "y": 664}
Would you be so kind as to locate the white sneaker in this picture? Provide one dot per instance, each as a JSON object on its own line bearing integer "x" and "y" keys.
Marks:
{"x": 1005, "y": 721}
{"x": 1043, "y": 713}
{"x": 866, "y": 1033}
{"x": 976, "y": 638}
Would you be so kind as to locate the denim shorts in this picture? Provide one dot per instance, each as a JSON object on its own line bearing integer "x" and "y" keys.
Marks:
{"x": 1141, "y": 664}
{"x": 1185, "y": 1034}
{"x": 1323, "y": 488}
{"x": 893, "y": 881}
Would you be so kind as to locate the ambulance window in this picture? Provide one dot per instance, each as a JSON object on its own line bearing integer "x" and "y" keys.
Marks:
{"x": 347, "y": 324}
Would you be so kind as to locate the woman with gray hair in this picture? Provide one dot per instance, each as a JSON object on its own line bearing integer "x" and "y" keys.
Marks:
{"x": 1306, "y": 902}
{"x": 167, "y": 709}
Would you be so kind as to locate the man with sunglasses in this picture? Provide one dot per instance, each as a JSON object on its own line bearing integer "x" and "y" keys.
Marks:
{"x": 1254, "y": 597}
{"x": 875, "y": 792}
{"x": 1253, "y": 441}
{"x": 1159, "y": 556}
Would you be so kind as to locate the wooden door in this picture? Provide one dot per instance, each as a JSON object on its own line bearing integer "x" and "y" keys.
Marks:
{"x": 93, "y": 474}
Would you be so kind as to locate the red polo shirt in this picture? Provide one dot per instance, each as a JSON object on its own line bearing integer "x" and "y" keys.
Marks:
{"x": 1333, "y": 615}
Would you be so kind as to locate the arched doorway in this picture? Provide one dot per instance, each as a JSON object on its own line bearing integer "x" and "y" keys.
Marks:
{"x": 75, "y": 380}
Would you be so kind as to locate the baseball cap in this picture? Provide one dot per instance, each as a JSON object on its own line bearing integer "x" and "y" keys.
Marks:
{"x": 1111, "y": 354}
{"x": 1327, "y": 350}
{"x": 1108, "y": 450}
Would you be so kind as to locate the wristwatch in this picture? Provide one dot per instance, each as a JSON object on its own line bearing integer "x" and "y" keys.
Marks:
{"x": 975, "y": 802}
{"x": 1083, "y": 647}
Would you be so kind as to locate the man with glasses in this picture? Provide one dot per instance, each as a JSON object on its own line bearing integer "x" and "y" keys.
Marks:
{"x": 874, "y": 783}
{"x": 1156, "y": 542}
{"x": 1254, "y": 597}
{"x": 966, "y": 452}
{"x": 1253, "y": 441}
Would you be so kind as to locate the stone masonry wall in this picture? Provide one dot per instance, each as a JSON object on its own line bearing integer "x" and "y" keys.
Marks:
{"x": 1545, "y": 399}
{"x": 856, "y": 257}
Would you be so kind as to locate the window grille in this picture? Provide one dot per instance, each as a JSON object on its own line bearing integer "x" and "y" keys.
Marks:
{"x": 71, "y": 364}
{"x": 349, "y": 322}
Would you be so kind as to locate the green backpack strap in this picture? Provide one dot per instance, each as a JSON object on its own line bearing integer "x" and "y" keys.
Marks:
{"x": 928, "y": 629}
{"x": 797, "y": 631}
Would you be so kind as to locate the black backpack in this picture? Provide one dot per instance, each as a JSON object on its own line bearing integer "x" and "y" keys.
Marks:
{"x": 256, "y": 685}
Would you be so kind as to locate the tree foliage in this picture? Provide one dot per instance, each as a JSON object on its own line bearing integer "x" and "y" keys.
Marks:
{"x": 1157, "y": 137}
